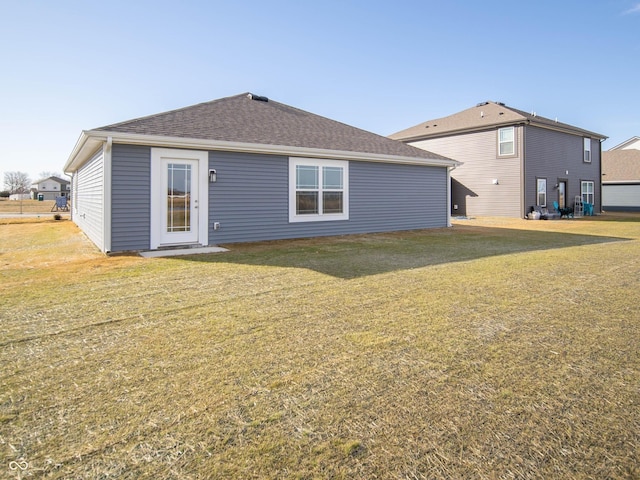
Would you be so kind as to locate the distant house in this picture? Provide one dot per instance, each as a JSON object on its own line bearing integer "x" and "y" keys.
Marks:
{"x": 19, "y": 196}
{"x": 512, "y": 160}
{"x": 246, "y": 168}
{"x": 621, "y": 177}
{"x": 50, "y": 188}
{"x": 632, "y": 143}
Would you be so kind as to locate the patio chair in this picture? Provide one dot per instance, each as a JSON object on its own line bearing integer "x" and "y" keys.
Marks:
{"x": 564, "y": 212}
{"x": 61, "y": 205}
{"x": 588, "y": 209}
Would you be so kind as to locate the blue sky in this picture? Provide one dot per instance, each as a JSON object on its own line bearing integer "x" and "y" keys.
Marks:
{"x": 383, "y": 66}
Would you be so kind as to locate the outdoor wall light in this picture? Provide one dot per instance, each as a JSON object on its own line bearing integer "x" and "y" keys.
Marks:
{"x": 495, "y": 181}
{"x": 213, "y": 176}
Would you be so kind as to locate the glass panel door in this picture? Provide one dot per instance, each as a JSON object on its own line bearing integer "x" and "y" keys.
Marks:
{"x": 178, "y": 197}
{"x": 180, "y": 203}
{"x": 562, "y": 198}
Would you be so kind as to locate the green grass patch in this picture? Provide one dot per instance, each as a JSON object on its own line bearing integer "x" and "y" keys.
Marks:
{"x": 493, "y": 349}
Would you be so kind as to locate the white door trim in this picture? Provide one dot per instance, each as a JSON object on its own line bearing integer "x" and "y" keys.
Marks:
{"x": 158, "y": 192}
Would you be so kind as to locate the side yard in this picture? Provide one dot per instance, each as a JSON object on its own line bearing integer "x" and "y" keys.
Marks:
{"x": 499, "y": 348}
{"x": 26, "y": 206}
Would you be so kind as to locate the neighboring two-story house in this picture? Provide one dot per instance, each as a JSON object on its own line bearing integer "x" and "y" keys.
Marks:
{"x": 621, "y": 177}
{"x": 512, "y": 160}
{"x": 50, "y": 188}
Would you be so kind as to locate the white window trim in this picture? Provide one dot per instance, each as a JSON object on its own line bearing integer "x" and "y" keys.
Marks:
{"x": 585, "y": 193}
{"x": 317, "y": 162}
{"x": 512, "y": 154}
{"x": 586, "y": 155}
{"x": 538, "y": 182}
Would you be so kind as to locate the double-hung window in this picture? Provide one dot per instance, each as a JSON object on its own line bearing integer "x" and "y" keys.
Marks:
{"x": 541, "y": 198}
{"x": 318, "y": 190}
{"x": 586, "y": 189}
{"x": 587, "y": 150}
{"x": 506, "y": 141}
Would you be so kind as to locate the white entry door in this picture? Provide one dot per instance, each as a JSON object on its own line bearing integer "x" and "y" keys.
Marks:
{"x": 178, "y": 213}
{"x": 180, "y": 204}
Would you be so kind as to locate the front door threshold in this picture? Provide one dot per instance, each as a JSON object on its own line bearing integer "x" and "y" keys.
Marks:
{"x": 179, "y": 246}
{"x": 184, "y": 250}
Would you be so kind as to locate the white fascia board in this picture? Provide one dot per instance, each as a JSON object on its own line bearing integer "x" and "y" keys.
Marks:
{"x": 86, "y": 146}
{"x": 99, "y": 136}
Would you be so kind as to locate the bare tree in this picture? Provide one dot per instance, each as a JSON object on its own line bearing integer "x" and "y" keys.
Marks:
{"x": 17, "y": 182}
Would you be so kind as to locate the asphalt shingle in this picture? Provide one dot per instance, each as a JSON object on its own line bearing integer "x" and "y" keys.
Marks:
{"x": 484, "y": 115}
{"x": 245, "y": 119}
{"x": 621, "y": 166}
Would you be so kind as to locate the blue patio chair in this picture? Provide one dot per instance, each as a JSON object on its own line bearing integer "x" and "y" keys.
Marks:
{"x": 588, "y": 209}
{"x": 61, "y": 205}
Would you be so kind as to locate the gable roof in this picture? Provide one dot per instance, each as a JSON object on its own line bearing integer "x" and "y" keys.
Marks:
{"x": 484, "y": 116}
{"x": 247, "y": 122}
{"x": 621, "y": 166}
{"x": 633, "y": 142}
{"x": 61, "y": 181}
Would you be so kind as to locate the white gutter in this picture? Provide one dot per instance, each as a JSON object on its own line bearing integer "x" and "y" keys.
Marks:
{"x": 85, "y": 147}
{"x": 90, "y": 140}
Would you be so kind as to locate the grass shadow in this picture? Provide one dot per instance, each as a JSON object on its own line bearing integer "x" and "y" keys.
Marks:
{"x": 354, "y": 256}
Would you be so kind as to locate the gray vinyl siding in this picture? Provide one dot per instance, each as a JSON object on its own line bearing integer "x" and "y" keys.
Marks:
{"x": 550, "y": 154}
{"x": 473, "y": 190}
{"x": 130, "y": 197}
{"x": 250, "y": 199}
{"x": 88, "y": 204}
{"x": 621, "y": 198}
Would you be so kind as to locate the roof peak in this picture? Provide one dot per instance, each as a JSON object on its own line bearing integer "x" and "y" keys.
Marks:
{"x": 485, "y": 115}
{"x": 249, "y": 119}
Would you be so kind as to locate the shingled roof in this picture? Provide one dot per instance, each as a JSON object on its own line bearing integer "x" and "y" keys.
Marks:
{"x": 621, "y": 166}
{"x": 485, "y": 115}
{"x": 251, "y": 119}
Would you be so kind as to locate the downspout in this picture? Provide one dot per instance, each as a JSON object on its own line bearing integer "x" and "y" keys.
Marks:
{"x": 107, "y": 195}
{"x": 449, "y": 170}
{"x": 523, "y": 186}
{"x": 600, "y": 173}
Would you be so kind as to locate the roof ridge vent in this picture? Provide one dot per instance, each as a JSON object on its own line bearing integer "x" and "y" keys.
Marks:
{"x": 482, "y": 104}
{"x": 257, "y": 98}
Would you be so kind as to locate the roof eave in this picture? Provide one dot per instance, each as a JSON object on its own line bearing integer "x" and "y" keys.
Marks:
{"x": 479, "y": 128}
{"x": 90, "y": 140}
{"x": 568, "y": 129}
{"x": 457, "y": 131}
{"x": 626, "y": 142}
{"x": 85, "y": 147}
